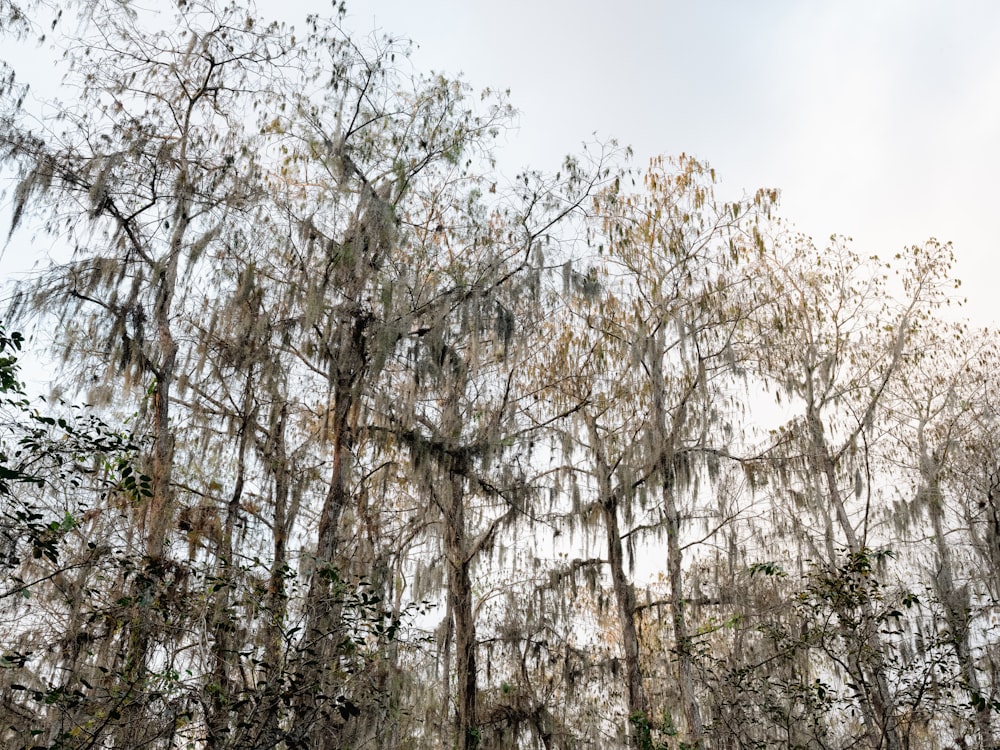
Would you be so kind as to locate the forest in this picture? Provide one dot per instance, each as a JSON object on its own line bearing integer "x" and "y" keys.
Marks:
{"x": 355, "y": 443}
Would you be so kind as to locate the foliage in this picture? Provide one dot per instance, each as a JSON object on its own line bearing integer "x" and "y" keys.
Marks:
{"x": 383, "y": 450}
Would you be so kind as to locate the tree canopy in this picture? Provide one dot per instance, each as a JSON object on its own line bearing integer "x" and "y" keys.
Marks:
{"x": 364, "y": 445}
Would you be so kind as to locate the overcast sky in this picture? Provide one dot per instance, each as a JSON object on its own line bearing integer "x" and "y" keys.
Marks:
{"x": 877, "y": 119}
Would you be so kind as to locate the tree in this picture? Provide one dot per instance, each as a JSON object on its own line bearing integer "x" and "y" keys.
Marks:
{"x": 649, "y": 337}
{"x": 381, "y": 448}
{"x": 834, "y": 343}
{"x": 54, "y": 472}
{"x": 184, "y": 142}
{"x": 938, "y": 423}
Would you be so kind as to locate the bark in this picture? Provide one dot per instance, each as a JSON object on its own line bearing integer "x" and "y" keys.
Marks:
{"x": 324, "y": 632}
{"x": 322, "y": 640}
{"x": 668, "y": 431}
{"x": 222, "y": 621}
{"x": 955, "y": 600}
{"x": 624, "y": 592}
{"x": 445, "y": 650}
{"x": 625, "y": 601}
{"x": 878, "y": 706}
{"x": 273, "y": 668}
{"x": 682, "y": 638}
{"x": 159, "y": 506}
{"x": 460, "y": 594}
{"x": 459, "y": 560}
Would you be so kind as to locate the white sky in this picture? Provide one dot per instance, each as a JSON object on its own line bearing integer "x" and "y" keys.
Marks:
{"x": 877, "y": 119}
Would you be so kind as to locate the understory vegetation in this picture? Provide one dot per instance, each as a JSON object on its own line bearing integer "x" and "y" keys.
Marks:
{"x": 358, "y": 444}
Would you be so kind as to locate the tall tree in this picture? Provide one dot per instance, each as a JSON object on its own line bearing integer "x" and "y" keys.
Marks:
{"x": 212, "y": 169}
{"x": 834, "y": 342}
{"x": 937, "y": 420}
{"x": 649, "y": 340}
{"x": 141, "y": 177}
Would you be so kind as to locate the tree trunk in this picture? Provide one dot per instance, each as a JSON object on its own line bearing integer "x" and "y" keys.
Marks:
{"x": 668, "y": 431}
{"x": 158, "y": 507}
{"x": 324, "y": 632}
{"x": 625, "y": 601}
{"x": 878, "y": 706}
{"x": 682, "y": 639}
{"x": 460, "y": 593}
{"x": 322, "y": 638}
{"x": 217, "y": 719}
{"x": 637, "y": 707}
{"x": 955, "y": 601}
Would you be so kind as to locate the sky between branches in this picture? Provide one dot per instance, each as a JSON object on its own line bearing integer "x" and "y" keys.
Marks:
{"x": 876, "y": 120}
